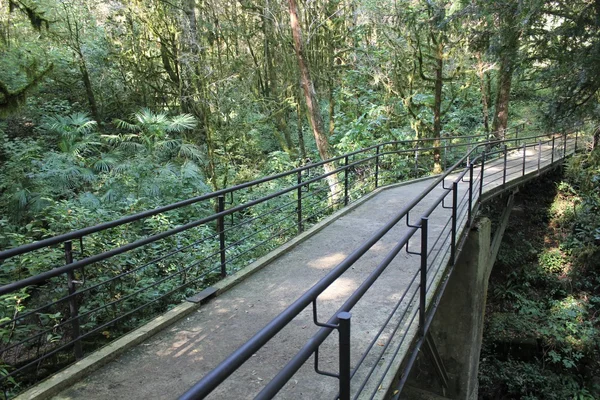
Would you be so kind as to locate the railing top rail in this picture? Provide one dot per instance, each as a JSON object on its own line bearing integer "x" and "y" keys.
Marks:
{"x": 77, "y": 234}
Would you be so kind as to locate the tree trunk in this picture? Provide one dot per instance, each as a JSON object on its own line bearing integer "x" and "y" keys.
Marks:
{"x": 301, "y": 144}
{"x": 89, "y": 90}
{"x": 437, "y": 111}
{"x": 192, "y": 91}
{"x": 312, "y": 105}
{"x": 189, "y": 60}
{"x": 510, "y": 36}
{"x": 484, "y": 93}
{"x": 503, "y": 96}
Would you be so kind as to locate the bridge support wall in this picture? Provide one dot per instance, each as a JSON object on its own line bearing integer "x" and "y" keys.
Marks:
{"x": 457, "y": 326}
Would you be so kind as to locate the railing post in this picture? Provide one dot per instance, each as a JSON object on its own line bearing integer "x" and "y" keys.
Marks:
{"x": 565, "y": 146}
{"x": 482, "y": 171}
{"x": 423, "y": 284}
{"x": 576, "y": 137}
{"x": 445, "y": 153}
{"x": 377, "y": 168}
{"x": 299, "y": 205}
{"x": 454, "y": 221}
{"x": 221, "y": 228}
{"x": 73, "y": 307}
{"x": 346, "y": 180}
{"x": 539, "y": 155}
{"x": 417, "y": 160}
{"x": 524, "y": 157}
{"x": 504, "y": 173}
{"x": 469, "y": 151}
{"x": 552, "y": 157}
{"x": 470, "y": 192}
{"x": 344, "y": 344}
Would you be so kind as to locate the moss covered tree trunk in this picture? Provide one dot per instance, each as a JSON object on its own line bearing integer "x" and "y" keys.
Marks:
{"x": 312, "y": 104}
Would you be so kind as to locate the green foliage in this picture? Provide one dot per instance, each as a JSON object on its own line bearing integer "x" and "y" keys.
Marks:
{"x": 524, "y": 380}
{"x": 546, "y": 297}
{"x": 552, "y": 261}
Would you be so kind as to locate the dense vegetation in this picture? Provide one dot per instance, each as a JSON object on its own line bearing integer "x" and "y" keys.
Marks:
{"x": 108, "y": 108}
{"x": 203, "y": 95}
{"x": 542, "y": 332}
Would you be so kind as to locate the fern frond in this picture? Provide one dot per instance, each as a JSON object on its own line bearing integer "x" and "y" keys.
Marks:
{"x": 191, "y": 151}
{"x": 20, "y": 197}
{"x": 182, "y": 122}
{"x": 105, "y": 163}
{"x": 110, "y": 196}
{"x": 121, "y": 124}
{"x": 170, "y": 144}
{"x": 190, "y": 170}
{"x": 132, "y": 147}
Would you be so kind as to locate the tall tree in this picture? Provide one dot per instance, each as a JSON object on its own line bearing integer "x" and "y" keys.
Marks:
{"x": 434, "y": 43}
{"x": 23, "y": 66}
{"x": 76, "y": 27}
{"x": 506, "y": 25}
{"x": 567, "y": 50}
{"x": 509, "y": 36}
{"x": 310, "y": 97}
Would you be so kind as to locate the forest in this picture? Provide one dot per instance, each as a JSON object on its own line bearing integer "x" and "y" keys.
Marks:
{"x": 109, "y": 108}
{"x": 211, "y": 94}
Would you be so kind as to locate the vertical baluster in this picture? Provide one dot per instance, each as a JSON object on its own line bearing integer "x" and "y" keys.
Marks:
{"x": 299, "y": 205}
{"x": 454, "y": 222}
{"x": 221, "y": 229}
{"x": 346, "y": 180}
{"x": 423, "y": 284}
{"x": 73, "y": 306}
{"x": 524, "y": 157}
{"x": 483, "y": 155}
{"x": 417, "y": 160}
{"x": 445, "y": 154}
{"x": 377, "y": 168}
{"x": 470, "y": 192}
{"x": 539, "y": 155}
{"x": 505, "y": 160}
{"x": 344, "y": 354}
{"x": 469, "y": 152}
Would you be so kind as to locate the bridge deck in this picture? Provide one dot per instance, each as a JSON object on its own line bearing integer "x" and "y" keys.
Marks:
{"x": 169, "y": 363}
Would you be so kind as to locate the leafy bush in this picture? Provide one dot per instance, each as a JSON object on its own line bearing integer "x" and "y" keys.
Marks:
{"x": 547, "y": 292}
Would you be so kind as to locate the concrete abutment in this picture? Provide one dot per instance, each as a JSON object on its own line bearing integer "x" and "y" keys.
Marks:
{"x": 457, "y": 326}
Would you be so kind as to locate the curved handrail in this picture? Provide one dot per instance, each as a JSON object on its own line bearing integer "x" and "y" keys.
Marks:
{"x": 42, "y": 277}
{"x": 210, "y": 381}
{"x": 5, "y": 254}
{"x": 75, "y": 294}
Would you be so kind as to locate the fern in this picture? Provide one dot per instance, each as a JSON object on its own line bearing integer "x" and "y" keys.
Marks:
{"x": 190, "y": 170}
{"x": 121, "y": 124}
{"x": 191, "y": 151}
{"x": 180, "y": 123}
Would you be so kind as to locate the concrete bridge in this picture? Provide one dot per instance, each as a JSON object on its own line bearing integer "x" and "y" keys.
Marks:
{"x": 401, "y": 272}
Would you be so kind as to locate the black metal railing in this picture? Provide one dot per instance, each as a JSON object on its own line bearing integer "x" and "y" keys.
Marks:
{"x": 77, "y": 291}
{"x": 453, "y": 199}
